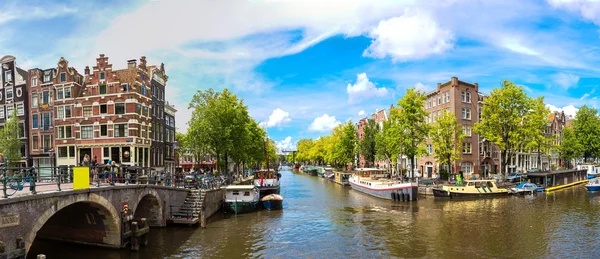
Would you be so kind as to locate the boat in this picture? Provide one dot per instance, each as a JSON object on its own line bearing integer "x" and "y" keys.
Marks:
{"x": 241, "y": 198}
{"x": 272, "y": 202}
{"x": 311, "y": 170}
{"x": 342, "y": 177}
{"x": 555, "y": 180}
{"x": 267, "y": 182}
{"x": 328, "y": 173}
{"x": 524, "y": 188}
{"x": 593, "y": 185}
{"x": 376, "y": 182}
{"x": 471, "y": 189}
{"x": 591, "y": 170}
{"x": 320, "y": 171}
{"x": 297, "y": 165}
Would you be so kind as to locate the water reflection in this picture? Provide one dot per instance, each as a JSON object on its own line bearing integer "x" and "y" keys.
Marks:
{"x": 324, "y": 220}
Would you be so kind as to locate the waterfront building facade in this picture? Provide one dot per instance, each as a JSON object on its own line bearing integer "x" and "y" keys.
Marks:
{"x": 13, "y": 96}
{"x": 41, "y": 115}
{"x": 170, "y": 137}
{"x": 158, "y": 149}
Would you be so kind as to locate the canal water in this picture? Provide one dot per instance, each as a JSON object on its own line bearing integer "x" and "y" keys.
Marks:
{"x": 324, "y": 220}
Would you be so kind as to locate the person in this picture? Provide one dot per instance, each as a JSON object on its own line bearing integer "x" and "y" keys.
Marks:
{"x": 106, "y": 170}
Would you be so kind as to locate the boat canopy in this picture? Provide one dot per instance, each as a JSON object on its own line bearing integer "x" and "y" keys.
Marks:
{"x": 239, "y": 187}
{"x": 265, "y": 174}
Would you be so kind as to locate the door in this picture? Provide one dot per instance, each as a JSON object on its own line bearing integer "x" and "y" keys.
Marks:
{"x": 429, "y": 171}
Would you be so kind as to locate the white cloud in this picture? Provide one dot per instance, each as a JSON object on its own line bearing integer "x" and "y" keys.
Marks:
{"x": 277, "y": 118}
{"x": 569, "y": 110}
{"x": 324, "y": 123}
{"x": 518, "y": 47}
{"x": 361, "y": 113}
{"x": 589, "y": 9}
{"x": 425, "y": 88}
{"x": 565, "y": 80}
{"x": 586, "y": 95}
{"x": 408, "y": 37}
{"x": 363, "y": 89}
{"x": 286, "y": 144}
{"x": 34, "y": 12}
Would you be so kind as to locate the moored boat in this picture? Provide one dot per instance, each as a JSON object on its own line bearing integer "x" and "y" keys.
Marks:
{"x": 320, "y": 171}
{"x": 342, "y": 177}
{"x": 272, "y": 202}
{"x": 555, "y": 180}
{"x": 267, "y": 182}
{"x": 524, "y": 188}
{"x": 241, "y": 198}
{"x": 471, "y": 189}
{"x": 591, "y": 170}
{"x": 311, "y": 170}
{"x": 593, "y": 185}
{"x": 376, "y": 182}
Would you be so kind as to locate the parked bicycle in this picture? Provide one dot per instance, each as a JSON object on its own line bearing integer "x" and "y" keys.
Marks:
{"x": 17, "y": 182}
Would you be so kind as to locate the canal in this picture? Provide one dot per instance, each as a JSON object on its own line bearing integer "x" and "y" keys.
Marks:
{"x": 324, "y": 220}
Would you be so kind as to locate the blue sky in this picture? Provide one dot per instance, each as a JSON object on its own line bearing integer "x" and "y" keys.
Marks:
{"x": 304, "y": 66}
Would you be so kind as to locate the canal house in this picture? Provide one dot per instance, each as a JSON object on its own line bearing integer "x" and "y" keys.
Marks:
{"x": 554, "y": 180}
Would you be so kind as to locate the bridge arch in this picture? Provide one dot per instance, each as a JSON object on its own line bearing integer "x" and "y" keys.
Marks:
{"x": 87, "y": 217}
{"x": 150, "y": 206}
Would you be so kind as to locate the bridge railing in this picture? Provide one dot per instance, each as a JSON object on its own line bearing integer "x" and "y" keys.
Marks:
{"x": 32, "y": 180}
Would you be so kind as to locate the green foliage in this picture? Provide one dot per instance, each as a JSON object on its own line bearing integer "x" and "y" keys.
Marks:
{"x": 411, "y": 120}
{"x": 447, "y": 137}
{"x": 387, "y": 141}
{"x": 569, "y": 146}
{"x": 537, "y": 139}
{"x": 346, "y": 147}
{"x": 586, "y": 127}
{"x": 504, "y": 119}
{"x": 10, "y": 144}
{"x": 367, "y": 146}
{"x": 444, "y": 174}
{"x": 304, "y": 146}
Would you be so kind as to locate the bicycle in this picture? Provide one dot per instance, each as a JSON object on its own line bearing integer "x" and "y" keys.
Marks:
{"x": 15, "y": 183}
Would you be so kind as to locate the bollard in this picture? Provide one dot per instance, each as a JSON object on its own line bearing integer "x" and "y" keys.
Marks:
{"x": 144, "y": 237}
{"x": 135, "y": 245}
{"x": 41, "y": 256}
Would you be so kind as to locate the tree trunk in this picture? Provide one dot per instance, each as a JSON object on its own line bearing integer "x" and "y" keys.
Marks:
{"x": 412, "y": 167}
{"x": 539, "y": 156}
{"x": 504, "y": 162}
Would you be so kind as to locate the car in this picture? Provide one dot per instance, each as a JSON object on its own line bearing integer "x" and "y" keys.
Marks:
{"x": 515, "y": 177}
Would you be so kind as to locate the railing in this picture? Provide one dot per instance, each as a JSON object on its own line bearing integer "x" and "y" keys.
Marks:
{"x": 43, "y": 179}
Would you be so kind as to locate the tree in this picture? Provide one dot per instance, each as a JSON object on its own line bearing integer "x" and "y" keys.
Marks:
{"x": 411, "y": 120}
{"x": 537, "y": 137}
{"x": 502, "y": 120}
{"x": 586, "y": 128}
{"x": 345, "y": 148}
{"x": 10, "y": 144}
{"x": 304, "y": 146}
{"x": 388, "y": 140}
{"x": 447, "y": 137}
{"x": 367, "y": 145}
{"x": 569, "y": 146}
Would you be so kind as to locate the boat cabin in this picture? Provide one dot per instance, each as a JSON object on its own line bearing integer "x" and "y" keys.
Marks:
{"x": 265, "y": 174}
{"x": 371, "y": 173}
{"x": 590, "y": 169}
{"x": 552, "y": 180}
{"x": 342, "y": 177}
{"x": 241, "y": 193}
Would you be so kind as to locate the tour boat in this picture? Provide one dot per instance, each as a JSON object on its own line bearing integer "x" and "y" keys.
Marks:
{"x": 524, "y": 188}
{"x": 342, "y": 178}
{"x": 593, "y": 185}
{"x": 376, "y": 182}
{"x": 241, "y": 198}
{"x": 471, "y": 188}
{"x": 267, "y": 182}
{"x": 272, "y": 202}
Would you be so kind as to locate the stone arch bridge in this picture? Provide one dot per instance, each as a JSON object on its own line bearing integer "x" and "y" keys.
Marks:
{"x": 95, "y": 216}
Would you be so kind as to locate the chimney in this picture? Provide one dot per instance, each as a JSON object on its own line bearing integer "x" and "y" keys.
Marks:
{"x": 87, "y": 70}
{"x": 143, "y": 62}
{"x": 101, "y": 55}
{"x": 454, "y": 81}
{"x": 131, "y": 63}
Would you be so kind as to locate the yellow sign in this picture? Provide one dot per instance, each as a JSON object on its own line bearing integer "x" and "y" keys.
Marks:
{"x": 81, "y": 177}
{"x": 44, "y": 106}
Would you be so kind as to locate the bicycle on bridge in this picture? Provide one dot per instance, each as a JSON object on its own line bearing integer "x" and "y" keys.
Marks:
{"x": 16, "y": 182}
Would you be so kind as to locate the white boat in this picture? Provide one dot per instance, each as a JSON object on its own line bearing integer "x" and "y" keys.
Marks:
{"x": 524, "y": 188}
{"x": 592, "y": 170}
{"x": 376, "y": 182}
{"x": 267, "y": 182}
{"x": 593, "y": 185}
{"x": 241, "y": 198}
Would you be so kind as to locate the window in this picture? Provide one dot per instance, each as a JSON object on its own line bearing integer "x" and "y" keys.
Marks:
{"x": 103, "y": 130}
{"x": 9, "y": 93}
{"x": 102, "y": 89}
{"x": 46, "y": 121}
{"x": 466, "y": 113}
{"x": 47, "y": 141}
{"x": 466, "y": 97}
{"x": 120, "y": 130}
{"x": 47, "y": 76}
{"x": 439, "y": 99}
{"x": 63, "y": 112}
{"x": 467, "y": 167}
{"x": 102, "y": 76}
{"x": 87, "y": 132}
{"x": 34, "y": 121}
{"x": 430, "y": 149}
{"x": 8, "y": 77}
{"x": 34, "y": 100}
{"x": 119, "y": 108}
{"x": 34, "y": 81}
{"x": 125, "y": 87}
{"x": 63, "y": 93}
{"x": 68, "y": 112}
{"x": 65, "y": 132}
{"x": 46, "y": 97}
{"x": 35, "y": 142}
{"x": 71, "y": 151}
{"x": 22, "y": 130}
{"x": 9, "y": 110}
{"x": 1, "y": 112}
{"x": 467, "y": 148}
{"x": 20, "y": 109}
{"x": 63, "y": 77}
{"x": 87, "y": 111}
{"x": 103, "y": 109}
{"x": 143, "y": 90}
{"x": 139, "y": 109}
{"x": 172, "y": 121}
{"x": 447, "y": 97}
{"x": 467, "y": 131}
{"x": 62, "y": 152}
{"x": 105, "y": 152}
{"x": 433, "y": 102}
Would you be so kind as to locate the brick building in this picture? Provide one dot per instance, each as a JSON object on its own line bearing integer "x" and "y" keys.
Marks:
{"x": 170, "y": 137}
{"x": 379, "y": 116}
{"x": 158, "y": 149}
{"x": 462, "y": 99}
{"x": 111, "y": 116}
{"x": 13, "y": 96}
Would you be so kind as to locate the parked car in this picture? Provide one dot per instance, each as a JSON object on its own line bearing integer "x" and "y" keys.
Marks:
{"x": 515, "y": 177}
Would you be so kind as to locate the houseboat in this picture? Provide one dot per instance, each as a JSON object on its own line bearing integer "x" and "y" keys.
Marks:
{"x": 554, "y": 180}
{"x": 342, "y": 177}
{"x": 471, "y": 189}
{"x": 320, "y": 171}
{"x": 310, "y": 170}
{"x": 591, "y": 170}
{"x": 267, "y": 182}
{"x": 241, "y": 198}
{"x": 376, "y": 182}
